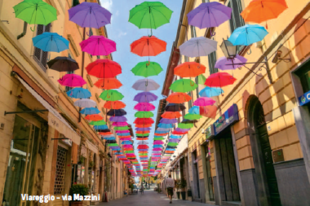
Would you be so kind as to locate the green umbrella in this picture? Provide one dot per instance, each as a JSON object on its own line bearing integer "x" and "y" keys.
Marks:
{"x": 173, "y": 144}
{"x": 159, "y": 138}
{"x": 147, "y": 69}
{"x": 183, "y": 85}
{"x": 113, "y": 145}
{"x": 35, "y": 12}
{"x": 185, "y": 125}
{"x": 192, "y": 116}
{"x": 144, "y": 114}
{"x": 142, "y": 135}
{"x": 98, "y": 123}
{"x": 111, "y": 95}
{"x": 121, "y": 128}
{"x": 201, "y": 79}
{"x": 150, "y": 15}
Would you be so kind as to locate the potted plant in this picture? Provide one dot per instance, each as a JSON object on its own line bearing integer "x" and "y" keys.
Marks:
{"x": 90, "y": 165}
{"x": 178, "y": 186}
{"x": 183, "y": 186}
{"x": 78, "y": 189}
{"x": 81, "y": 160}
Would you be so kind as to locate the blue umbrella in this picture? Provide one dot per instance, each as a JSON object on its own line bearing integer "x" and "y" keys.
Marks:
{"x": 123, "y": 134}
{"x": 194, "y": 110}
{"x": 248, "y": 34}
{"x": 126, "y": 142}
{"x": 165, "y": 125}
{"x": 101, "y": 127}
{"x": 174, "y": 137}
{"x": 79, "y": 93}
{"x": 161, "y": 132}
{"x": 91, "y": 110}
{"x": 210, "y": 92}
{"x": 50, "y": 42}
{"x": 158, "y": 146}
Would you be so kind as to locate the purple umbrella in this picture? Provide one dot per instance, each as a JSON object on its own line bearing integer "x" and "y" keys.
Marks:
{"x": 174, "y": 140}
{"x": 228, "y": 64}
{"x": 89, "y": 14}
{"x": 168, "y": 121}
{"x": 208, "y": 15}
{"x": 118, "y": 119}
{"x": 143, "y": 129}
{"x": 145, "y": 97}
{"x": 181, "y": 130}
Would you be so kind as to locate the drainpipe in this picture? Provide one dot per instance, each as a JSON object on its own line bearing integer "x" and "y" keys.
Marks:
{"x": 24, "y": 32}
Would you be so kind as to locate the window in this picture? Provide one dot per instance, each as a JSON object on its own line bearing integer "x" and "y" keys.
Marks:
{"x": 39, "y": 55}
{"x": 304, "y": 75}
{"x": 75, "y": 2}
{"x": 197, "y": 89}
{"x": 236, "y": 19}
{"x": 212, "y": 60}
{"x": 190, "y": 102}
{"x": 193, "y": 32}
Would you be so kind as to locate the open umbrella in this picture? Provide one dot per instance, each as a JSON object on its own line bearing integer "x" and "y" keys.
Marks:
{"x": 143, "y": 125}
{"x": 118, "y": 119}
{"x": 204, "y": 101}
{"x": 111, "y": 95}
{"x": 72, "y": 80}
{"x": 143, "y": 129}
{"x": 210, "y": 14}
{"x": 220, "y": 79}
{"x": 208, "y": 111}
{"x": 89, "y": 14}
{"x": 171, "y": 115}
{"x": 121, "y": 128}
{"x": 144, "y": 114}
{"x": 114, "y": 105}
{"x": 63, "y": 64}
{"x": 79, "y": 93}
{"x": 94, "y": 117}
{"x": 199, "y": 46}
{"x": 147, "y": 69}
{"x": 145, "y": 85}
{"x": 189, "y": 69}
{"x": 144, "y": 106}
{"x": 85, "y": 103}
{"x": 50, "y": 42}
{"x": 143, "y": 121}
{"x": 145, "y": 97}
{"x": 98, "y": 45}
{"x": 98, "y": 123}
{"x": 148, "y": 46}
{"x": 119, "y": 124}
{"x": 116, "y": 112}
{"x": 210, "y": 92}
{"x": 175, "y": 107}
{"x": 248, "y": 34}
{"x": 183, "y": 85}
{"x": 108, "y": 83}
{"x": 104, "y": 68}
{"x": 168, "y": 121}
{"x": 91, "y": 110}
{"x": 224, "y": 63}
{"x": 192, "y": 116}
{"x": 178, "y": 98}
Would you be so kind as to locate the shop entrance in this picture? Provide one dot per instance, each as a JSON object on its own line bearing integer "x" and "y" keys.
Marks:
{"x": 209, "y": 185}
{"x": 227, "y": 174}
{"x": 196, "y": 174}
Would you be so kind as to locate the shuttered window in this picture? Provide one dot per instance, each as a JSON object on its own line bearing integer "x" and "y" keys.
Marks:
{"x": 236, "y": 20}
{"x": 212, "y": 60}
{"x": 41, "y": 56}
{"x": 193, "y": 32}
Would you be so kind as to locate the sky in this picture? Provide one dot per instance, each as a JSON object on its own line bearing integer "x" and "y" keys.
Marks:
{"x": 124, "y": 33}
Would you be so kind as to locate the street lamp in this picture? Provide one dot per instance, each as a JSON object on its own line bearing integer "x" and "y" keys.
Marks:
{"x": 229, "y": 50}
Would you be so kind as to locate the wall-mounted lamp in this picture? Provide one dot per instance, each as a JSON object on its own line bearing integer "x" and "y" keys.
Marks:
{"x": 277, "y": 57}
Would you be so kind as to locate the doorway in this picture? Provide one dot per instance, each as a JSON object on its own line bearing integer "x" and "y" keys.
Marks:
{"x": 196, "y": 173}
{"x": 207, "y": 158}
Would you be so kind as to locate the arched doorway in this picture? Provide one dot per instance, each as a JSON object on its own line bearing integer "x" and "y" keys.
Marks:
{"x": 267, "y": 185}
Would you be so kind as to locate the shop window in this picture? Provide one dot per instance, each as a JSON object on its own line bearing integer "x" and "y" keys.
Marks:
{"x": 212, "y": 61}
{"x": 60, "y": 171}
{"x": 41, "y": 57}
{"x": 81, "y": 170}
{"x": 304, "y": 76}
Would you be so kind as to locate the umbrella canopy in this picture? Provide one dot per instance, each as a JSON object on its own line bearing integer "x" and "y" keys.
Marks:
{"x": 150, "y": 15}
{"x": 180, "y": 130}
{"x": 121, "y": 128}
{"x": 183, "y": 85}
{"x": 143, "y": 114}
{"x": 210, "y": 14}
{"x": 101, "y": 128}
{"x": 111, "y": 95}
{"x": 143, "y": 125}
{"x": 118, "y": 119}
{"x": 147, "y": 69}
{"x": 94, "y": 117}
{"x": 116, "y": 112}
{"x": 104, "y": 68}
{"x": 229, "y": 64}
{"x": 90, "y": 111}
{"x": 148, "y": 46}
{"x": 89, "y": 14}
{"x": 199, "y": 46}
{"x": 98, "y": 123}
{"x": 145, "y": 85}
{"x": 143, "y": 129}
{"x": 144, "y": 106}
{"x": 145, "y": 97}
{"x": 72, "y": 80}
{"x": 220, "y": 79}
{"x": 178, "y": 98}
{"x": 168, "y": 121}
{"x": 35, "y": 12}
{"x": 143, "y": 121}
{"x": 175, "y": 107}
{"x": 63, "y": 64}
{"x": 114, "y": 105}
{"x": 204, "y": 101}
{"x": 85, "y": 103}
{"x": 167, "y": 126}
{"x": 192, "y": 116}
{"x": 189, "y": 69}
{"x": 171, "y": 115}
{"x": 119, "y": 124}
{"x": 208, "y": 111}
{"x": 50, "y": 42}
{"x": 108, "y": 83}
{"x": 248, "y": 34}
{"x": 210, "y": 92}
{"x": 79, "y": 93}
{"x": 98, "y": 45}
{"x": 142, "y": 132}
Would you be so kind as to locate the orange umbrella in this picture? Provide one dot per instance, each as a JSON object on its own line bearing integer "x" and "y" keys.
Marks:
{"x": 208, "y": 111}
{"x": 189, "y": 69}
{"x": 94, "y": 117}
{"x": 106, "y": 133}
{"x": 171, "y": 115}
{"x": 108, "y": 83}
{"x": 114, "y": 105}
{"x": 164, "y": 134}
{"x": 169, "y": 152}
{"x": 143, "y": 132}
{"x": 259, "y": 11}
{"x": 138, "y": 138}
{"x": 178, "y": 98}
{"x": 143, "y": 125}
{"x": 148, "y": 46}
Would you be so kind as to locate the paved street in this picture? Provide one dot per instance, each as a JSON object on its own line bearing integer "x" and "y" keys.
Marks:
{"x": 150, "y": 198}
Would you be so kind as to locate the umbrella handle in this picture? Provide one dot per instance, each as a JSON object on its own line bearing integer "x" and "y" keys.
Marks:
{"x": 212, "y": 33}
{"x": 250, "y": 52}
{"x": 33, "y": 30}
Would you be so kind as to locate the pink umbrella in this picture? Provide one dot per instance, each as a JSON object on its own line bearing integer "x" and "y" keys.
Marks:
{"x": 119, "y": 124}
{"x": 127, "y": 146}
{"x": 144, "y": 106}
{"x": 98, "y": 45}
{"x": 157, "y": 149}
{"x": 123, "y": 131}
{"x": 72, "y": 80}
{"x": 204, "y": 101}
{"x": 126, "y": 138}
{"x": 158, "y": 142}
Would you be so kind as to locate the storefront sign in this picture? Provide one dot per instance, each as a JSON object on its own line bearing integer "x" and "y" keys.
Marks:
{"x": 209, "y": 132}
{"x": 304, "y": 99}
{"x": 228, "y": 118}
{"x": 68, "y": 142}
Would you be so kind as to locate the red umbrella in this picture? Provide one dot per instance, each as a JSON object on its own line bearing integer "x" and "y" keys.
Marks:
{"x": 148, "y": 46}
{"x": 178, "y": 133}
{"x": 108, "y": 83}
{"x": 143, "y": 132}
{"x": 142, "y": 138}
{"x": 143, "y": 147}
{"x": 208, "y": 111}
{"x": 144, "y": 121}
{"x": 219, "y": 79}
{"x": 161, "y": 134}
{"x": 104, "y": 68}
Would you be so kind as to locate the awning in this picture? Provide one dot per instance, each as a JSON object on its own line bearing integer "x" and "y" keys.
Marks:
{"x": 55, "y": 120}
{"x": 91, "y": 146}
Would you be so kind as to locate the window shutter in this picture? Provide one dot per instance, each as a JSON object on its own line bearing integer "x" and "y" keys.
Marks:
{"x": 190, "y": 104}
{"x": 236, "y": 19}
{"x": 212, "y": 60}
{"x": 193, "y": 31}
{"x": 37, "y": 51}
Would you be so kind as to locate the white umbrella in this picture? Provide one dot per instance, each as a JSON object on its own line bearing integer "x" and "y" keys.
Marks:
{"x": 85, "y": 103}
{"x": 199, "y": 46}
{"x": 145, "y": 85}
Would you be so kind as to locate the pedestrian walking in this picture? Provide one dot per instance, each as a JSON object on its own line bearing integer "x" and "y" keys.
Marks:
{"x": 142, "y": 189}
{"x": 170, "y": 184}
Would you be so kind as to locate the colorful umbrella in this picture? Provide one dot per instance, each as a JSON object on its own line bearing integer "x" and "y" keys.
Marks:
{"x": 121, "y": 128}
{"x": 189, "y": 69}
{"x": 111, "y": 95}
{"x": 220, "y": 79}
{"x": 168, "y": 121}
{"x": 85, "y": 103}
{"x": 104, "y": 68}
{"x": 142, "y": 132}
{"x": 166, "y": 126}
{"x": 72, "y": 80}
{"x": 145, "y": 85}
{"x": 144, "y": 106}
{"x": 210, "y": 14}
{"x": 63, "y": 64}
{"x": 100, "y": 128}
{"x": 204, "y": 101}
{"x": 114, "y": 105}
{"x": 147, "y": 69}
{"x": 94, "y": 117}
{"x": 143, "y": 121}
{"x": 248, "y": 34}
{"x": 150, "y": 15}
{"x": 89, "y": 14}
{"x": 145, "y": 97}
{"x": 192, "y": 116}
{"x": 35, "y": 12}
{"x": 143, "y": 125}
{"x": 143, "y": 114}
{"x": 175, "y": 107}
{"x": 229, "y": 64}
{"x": 148, "y": 46}
{"x": 90, "y": 111}
{"x": 183, "y": 85}
{"x": 108, "y": 83}
{"x": 171, "y": 115}
{"x": 178, "y": 98}
{"x": 211, "y": 92}
{"x": 118, "y": 119}
{"x": 143, "y": 129}
{"x": 199, "y": 46}
{"x": 208, "y": 111}
{"x": 79, "y": 93}
{"x": 50, "y": 42}
{"x": 116, "y": 112}
{"x": 201, "y": 79}
{"x": 98, "y": 123}
{"x": 119, "y": 124}
{"x": 98, "y": 45}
